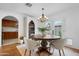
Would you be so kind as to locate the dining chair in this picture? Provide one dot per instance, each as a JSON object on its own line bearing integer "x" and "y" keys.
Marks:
{"x": 58, "y": 44}
{"x": 37, "y": 36}
{"x": 30, "y": 45}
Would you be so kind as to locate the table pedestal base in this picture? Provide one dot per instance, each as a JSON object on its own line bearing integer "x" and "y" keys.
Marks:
{"x": 42, "y": 49}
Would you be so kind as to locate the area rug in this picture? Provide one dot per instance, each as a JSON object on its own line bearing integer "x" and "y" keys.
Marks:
{"x": 21, "y": 49}
{"x": 68, "y": 52}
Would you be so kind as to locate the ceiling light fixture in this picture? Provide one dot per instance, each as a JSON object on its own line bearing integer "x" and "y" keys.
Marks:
{"x": 43, "y": 18}
{"x": 28, "y": 4}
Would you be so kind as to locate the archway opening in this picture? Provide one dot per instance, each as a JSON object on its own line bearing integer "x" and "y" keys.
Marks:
{"x": 31, "y": 28}
{"x": 9, "y": 30}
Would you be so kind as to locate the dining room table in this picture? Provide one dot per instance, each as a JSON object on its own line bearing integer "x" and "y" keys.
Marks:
{"x": 44, "y": 42}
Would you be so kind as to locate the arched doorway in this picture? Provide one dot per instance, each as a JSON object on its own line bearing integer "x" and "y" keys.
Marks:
{"x": 9, "y": 30}
{"x": 31, "y": 28}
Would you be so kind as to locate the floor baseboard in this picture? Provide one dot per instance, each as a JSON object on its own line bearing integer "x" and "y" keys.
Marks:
{"x": 75, "y": 49}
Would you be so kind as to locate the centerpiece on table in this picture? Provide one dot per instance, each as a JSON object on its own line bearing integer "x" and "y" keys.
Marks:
{"x": 43, "y": 32}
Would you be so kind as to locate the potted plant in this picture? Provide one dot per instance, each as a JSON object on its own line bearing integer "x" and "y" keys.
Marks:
{"x": 43, "y": 30}
{"x": 21, "y": 39}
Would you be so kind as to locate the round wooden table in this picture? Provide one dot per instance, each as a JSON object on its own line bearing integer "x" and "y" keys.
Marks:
{"x": 44, "y": 43}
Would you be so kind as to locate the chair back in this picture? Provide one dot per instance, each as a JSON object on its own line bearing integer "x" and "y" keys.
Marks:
{"x": 59, "y": 44}
{"x": 31, "y": 44}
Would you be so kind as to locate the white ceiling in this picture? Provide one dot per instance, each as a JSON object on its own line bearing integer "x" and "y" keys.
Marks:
{"x": 35, "y": 10}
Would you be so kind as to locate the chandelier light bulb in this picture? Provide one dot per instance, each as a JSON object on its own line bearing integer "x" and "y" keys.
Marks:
{"x": 43, "y": 18}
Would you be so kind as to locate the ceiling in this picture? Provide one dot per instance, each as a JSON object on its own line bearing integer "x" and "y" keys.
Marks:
{"x": 35, "y": 10}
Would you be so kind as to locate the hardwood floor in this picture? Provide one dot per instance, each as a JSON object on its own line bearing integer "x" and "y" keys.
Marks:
{"x": 9, "y": 50}
{"x": 12, "y": 50}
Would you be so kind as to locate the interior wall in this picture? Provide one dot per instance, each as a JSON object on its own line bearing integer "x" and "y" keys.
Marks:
{"x": 27, "y": 25}
{"x": 71, "y": 25}
{"x": 20, "y": 22}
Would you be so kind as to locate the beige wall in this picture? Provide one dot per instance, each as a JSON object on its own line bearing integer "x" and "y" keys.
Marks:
{"x": 71, "y": 25}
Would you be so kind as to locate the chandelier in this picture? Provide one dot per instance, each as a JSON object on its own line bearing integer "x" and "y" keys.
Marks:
{"x": 43, "y": 18}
